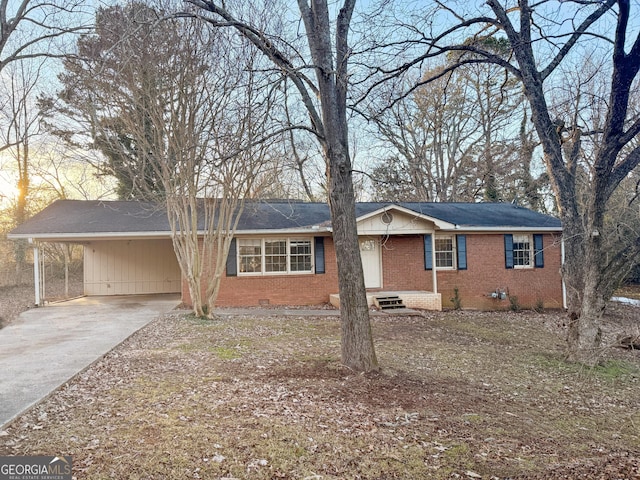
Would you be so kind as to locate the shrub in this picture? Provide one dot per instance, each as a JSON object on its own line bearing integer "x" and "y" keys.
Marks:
{"x": 514, "y": 305}
{"x": 456, "y": 300}
{"x": 539, "y": 306}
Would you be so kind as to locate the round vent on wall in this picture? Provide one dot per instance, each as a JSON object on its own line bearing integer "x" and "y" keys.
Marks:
{"x": 386, "y": 217}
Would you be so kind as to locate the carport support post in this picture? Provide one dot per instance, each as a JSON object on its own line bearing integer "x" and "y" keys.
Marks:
{"x": 434, "y": 275}
{"x": 36, "y": 270}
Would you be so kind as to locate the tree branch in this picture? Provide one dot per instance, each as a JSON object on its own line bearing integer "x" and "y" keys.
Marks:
{"x": 342, "y": 48}
{"x": 623, "y": 169}
{"x": 258, "y": 39}
{"x": 575, "y": 36}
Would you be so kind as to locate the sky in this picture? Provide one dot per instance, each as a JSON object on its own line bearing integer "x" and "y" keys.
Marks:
{"x": 406, "y": 7}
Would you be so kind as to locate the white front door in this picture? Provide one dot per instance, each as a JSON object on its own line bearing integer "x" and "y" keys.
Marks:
{"x": 371, "y": 261}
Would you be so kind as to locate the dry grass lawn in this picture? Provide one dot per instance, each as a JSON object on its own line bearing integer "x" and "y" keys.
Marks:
{"x": 460, "y": 395}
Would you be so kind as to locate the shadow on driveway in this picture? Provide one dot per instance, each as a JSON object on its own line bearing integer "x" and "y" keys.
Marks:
{"x": 47, "y": 346}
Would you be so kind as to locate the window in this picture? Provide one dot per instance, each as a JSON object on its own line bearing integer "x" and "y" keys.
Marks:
{"x": 450, "y": 252}
{"x": 522, "y": 251}
{"x": 250, "y": 256}
{"x": 274, "y": 256}
{"x": 300, "y": 255}
{"x": 445, "y": 252}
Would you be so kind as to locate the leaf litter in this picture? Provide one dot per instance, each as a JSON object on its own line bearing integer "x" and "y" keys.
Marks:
{"x": 460, "y": 395}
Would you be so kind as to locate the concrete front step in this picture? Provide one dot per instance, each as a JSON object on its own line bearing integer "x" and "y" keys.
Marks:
{"x": 418, "y": 299}
{"x": 388, "y": 302}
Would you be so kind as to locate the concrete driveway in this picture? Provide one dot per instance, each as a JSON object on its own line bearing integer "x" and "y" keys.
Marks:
{"x": 47, "y": 346}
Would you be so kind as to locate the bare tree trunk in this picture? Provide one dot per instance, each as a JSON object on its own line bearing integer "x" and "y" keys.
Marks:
{"x": 585, "y": 270}
{"x": 589, "y": 338}
{"x": 330, "y": 128}
{"x": 357, "y": 340}
{"x": 583, "y": 274}
{"x": 183, "y": 218}
{"x": 224, "y": 214}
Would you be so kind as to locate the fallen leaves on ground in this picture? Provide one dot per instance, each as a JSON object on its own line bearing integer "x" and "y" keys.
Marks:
{"x": 468, "y": 395}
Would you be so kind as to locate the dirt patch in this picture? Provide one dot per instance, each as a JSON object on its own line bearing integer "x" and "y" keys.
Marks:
{"x": 18, "y": 298}
{"x": 460, "y": 395}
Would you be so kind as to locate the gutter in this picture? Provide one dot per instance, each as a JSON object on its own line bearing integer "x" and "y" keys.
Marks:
{"x": 66, "y": 237}
{"x": 84, "y": 237}
{"x": 503, "y": 229}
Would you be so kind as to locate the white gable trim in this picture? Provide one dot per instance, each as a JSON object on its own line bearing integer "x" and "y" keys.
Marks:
{"x": 437, "y": 223}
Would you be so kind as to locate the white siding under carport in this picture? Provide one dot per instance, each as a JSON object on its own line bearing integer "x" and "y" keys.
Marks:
{"x": 130, "y": 267}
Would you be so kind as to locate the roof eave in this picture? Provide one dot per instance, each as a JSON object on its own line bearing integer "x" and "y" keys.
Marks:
{"x": 84, "y": 237}
{"x": 502, "y": 229}
{"x": 283, "y": 231}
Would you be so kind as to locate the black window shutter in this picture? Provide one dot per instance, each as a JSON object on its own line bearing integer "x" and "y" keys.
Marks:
{"x": 461, "y": 247}
{"x": 428, "y": 252}
{"x": 538, "y": 253}
{"x": 319, "y": 254}
{"x": 232, "y": 260}
{"x": 508, "y": 251}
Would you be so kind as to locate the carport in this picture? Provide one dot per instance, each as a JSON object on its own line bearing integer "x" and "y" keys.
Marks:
{"x": 127, "y": 246}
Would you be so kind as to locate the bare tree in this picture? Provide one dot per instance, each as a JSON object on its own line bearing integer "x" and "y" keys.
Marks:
{"x": 32, "y": 32}
{"x": 456, "y": 135}
{"x": 435, "y": 131}
{"x": 328, "y": 56}
{"x": 622, "y": 226}
{"x": 542, "y": 37}
{"x": 534, "y": 188}
{"x": 30, "y": 28}
{"x": 175, "y": 111}
{"x": 215, "y": 155}
{"x": 20, "y": 122}
{"x": 497, "y": 97}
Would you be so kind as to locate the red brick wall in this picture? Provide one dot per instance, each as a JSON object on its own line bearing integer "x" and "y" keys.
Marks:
{"x": 486, "y": 273}
{"x": 403, "y": 269}
{"x": 403, "y": 264}
{"x": 304, "y": 289}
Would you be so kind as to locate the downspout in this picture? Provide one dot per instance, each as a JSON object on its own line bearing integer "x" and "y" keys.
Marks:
{"x": 564, "y": 286}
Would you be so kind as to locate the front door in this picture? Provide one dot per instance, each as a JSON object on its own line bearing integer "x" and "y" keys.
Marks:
{"x": 371, "y": 261}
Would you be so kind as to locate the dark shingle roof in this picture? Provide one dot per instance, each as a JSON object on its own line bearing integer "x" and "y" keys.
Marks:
{"x": 490, "y": 215}
{"x": 95, "y": 217}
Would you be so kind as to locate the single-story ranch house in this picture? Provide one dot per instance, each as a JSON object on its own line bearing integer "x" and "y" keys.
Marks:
{"x": 492, "y": 254}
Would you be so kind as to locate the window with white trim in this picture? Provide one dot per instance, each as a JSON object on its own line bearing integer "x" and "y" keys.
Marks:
{"x": 445, "y": 251}
{"x": 250, "y": 256}
{"x": 273, "y": 256}
{"x": 300, "y": 255}
{"x": 522, "y": 251}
